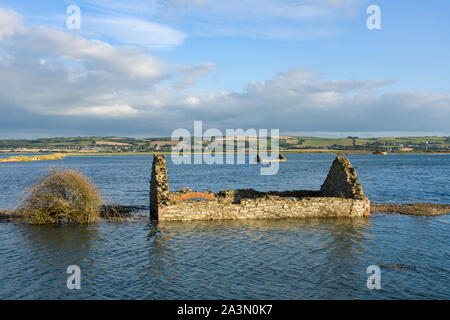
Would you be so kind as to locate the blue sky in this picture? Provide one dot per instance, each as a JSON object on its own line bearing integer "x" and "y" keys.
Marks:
{"x": 147, "y": 67}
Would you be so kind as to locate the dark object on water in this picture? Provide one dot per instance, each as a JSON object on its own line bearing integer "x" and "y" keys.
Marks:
{"x": 10, "y": 216}
{"x": 380, "y": 152}
{"x": 397, "y": 266}
{"x": 120, "y": 212}
{"x": 260, "y": 159}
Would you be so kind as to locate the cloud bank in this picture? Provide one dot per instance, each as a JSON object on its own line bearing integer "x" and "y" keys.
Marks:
{"x": 53, "y": 82}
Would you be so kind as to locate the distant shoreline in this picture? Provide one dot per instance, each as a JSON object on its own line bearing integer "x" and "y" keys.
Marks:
{"x": 45, "y": 156}
{"x": 287, "y": 144}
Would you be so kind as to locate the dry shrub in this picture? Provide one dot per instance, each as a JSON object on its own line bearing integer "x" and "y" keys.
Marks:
{"x": 63, "y": 196}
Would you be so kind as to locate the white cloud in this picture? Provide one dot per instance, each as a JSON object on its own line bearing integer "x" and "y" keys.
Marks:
{"x": 54, "y": 72}
{"x": 137, "y": 32}
{"x": 103, "y": 111}
{"x": 51, "y": 77}
{"x": 9, "y": 21}
{"x": 191, "y": 74}
{"x": 192, "y": 101}
{"x": 96, "y": 55}
{"x": 303, "y": 100}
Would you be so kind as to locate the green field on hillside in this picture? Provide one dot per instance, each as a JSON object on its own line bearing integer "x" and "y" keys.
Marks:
{"x": 294, "y": 143}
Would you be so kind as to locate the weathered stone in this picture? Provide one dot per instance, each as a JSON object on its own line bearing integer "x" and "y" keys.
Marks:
{"x": 342, "y": 181}
{"x": 265, "y": 209}
{"x": 159, "y": 185}
{"x": 341, "y": 195}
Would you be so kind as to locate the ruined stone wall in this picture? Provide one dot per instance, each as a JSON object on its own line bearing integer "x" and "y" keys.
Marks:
{"x": 341, "y": 195}
{"x": 159, "y": 185}
{"x": 263, "y": 208}
{"x": 342, "y": 181}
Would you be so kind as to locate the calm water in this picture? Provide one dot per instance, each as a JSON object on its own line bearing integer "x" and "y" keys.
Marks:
{"x": 286, "y": 259}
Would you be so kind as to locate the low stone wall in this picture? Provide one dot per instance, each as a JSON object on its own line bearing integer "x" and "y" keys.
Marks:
{"x": 265, "y": 209}
{"x": 341, "y": 195}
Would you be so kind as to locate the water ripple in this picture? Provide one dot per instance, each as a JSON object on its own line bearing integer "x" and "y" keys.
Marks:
{"x": 259, "y": 259}
{"x": 273, "y": 259}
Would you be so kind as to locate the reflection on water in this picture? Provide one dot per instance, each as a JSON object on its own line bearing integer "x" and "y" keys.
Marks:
{"x": 315, "y": 250}
{"x": 38, "y": 255}
{"x": 251, "y": 259}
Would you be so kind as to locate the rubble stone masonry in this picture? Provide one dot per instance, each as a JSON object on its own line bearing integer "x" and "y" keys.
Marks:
{"x": 341, "y": 195}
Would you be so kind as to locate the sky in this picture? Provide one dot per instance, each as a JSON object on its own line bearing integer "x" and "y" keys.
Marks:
{"x": 144, "y": 68}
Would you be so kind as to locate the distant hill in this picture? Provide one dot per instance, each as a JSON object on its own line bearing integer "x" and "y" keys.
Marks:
{"x": 287, "y": 143}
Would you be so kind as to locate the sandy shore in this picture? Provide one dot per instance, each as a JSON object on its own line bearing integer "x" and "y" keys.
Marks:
{"x": 56, "y": 156}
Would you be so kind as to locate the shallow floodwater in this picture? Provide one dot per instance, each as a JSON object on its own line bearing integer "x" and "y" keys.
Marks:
{"x": 253, "y": 259}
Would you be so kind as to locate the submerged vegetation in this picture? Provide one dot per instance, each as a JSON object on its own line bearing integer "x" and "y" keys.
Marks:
{"x": 67, "y": 196}
{"x": 109, "y": 213}
{"x": 119, "y": 213}
{"x": 416, "y": 209}
{"x": 63, "y": 196}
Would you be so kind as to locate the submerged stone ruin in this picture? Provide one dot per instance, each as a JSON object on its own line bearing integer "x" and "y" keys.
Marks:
{"x": 341, "y": 195}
